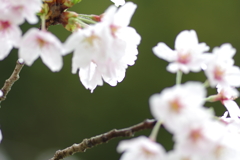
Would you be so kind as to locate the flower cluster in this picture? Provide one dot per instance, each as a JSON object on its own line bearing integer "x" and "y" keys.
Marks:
{"x": 197, "y": 133}
{"x": 13, "y": 14}
{"x": 103, "y": 45}
{"x": 104, "y": 51}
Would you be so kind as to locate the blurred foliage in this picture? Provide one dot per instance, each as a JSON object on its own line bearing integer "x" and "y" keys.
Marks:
{"x": 50, "y": 111}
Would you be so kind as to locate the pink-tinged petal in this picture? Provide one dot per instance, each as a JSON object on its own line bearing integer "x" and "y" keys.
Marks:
{"x": 232, "y": 108}
{"x": 14, "y": 35}
{"x": 220, "y": 68}
{"x": 24, "y": 9}
{"x": 164, "y": 52}
{"x": 9, "y": 37}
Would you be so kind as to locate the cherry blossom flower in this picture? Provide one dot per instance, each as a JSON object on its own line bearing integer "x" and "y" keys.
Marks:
{"x": 220, "y": 69}
{"x": 141, "y": 148}
{"x": 104, "y": 51}
{"x": 118, "y": 2}
{"x": 199, "y": 136}
{"x": 10, "y": 35}
{"x": 178, "y": 104}
{"x": 188, "y": 54}
{"x": 37, "y": 43}
{"x": 20, "y": 10}
{"x": 223, "y": 74}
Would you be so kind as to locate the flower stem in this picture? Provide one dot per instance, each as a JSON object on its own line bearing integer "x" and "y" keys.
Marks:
{"x": 179, "y": 77}
{"x": 88, "y": 21}
{"x": 43, "y": 28}
{"x": 153, "y": 135}
{"x": 206, "y": 84}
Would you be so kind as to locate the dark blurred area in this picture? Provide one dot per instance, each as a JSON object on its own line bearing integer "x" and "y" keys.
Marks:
{"x": 48, "y": 111}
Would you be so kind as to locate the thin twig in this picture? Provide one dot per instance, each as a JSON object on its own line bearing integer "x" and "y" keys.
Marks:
{"x": 10, "y": 81}
{"x": 103, "y": 138}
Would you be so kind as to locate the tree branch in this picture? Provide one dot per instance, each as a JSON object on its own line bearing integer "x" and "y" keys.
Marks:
{"x": 12, "y": 79}
{"x": 103, "y": 138}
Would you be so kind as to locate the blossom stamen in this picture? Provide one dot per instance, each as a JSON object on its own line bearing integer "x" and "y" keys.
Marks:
{"x": 175, "y": 105}
{"x": 218, "y": 73}
{"x": 195, "y": 135}
{"x": 90, "y": 39}
{"x": 147, "y": 152}
{"x": 41, "y": 42}
{"x": 184, "y": 58}
{"x": 114, "y": 29}
{"x": 4, "y": 25}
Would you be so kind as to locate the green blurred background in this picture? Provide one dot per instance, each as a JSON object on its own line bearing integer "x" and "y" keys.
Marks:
{"x": 48, "y": 111}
